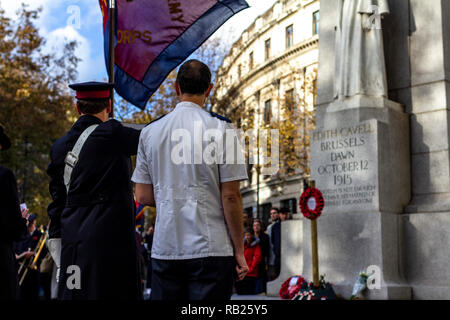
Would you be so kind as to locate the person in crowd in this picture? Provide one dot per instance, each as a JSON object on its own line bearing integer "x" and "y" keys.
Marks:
{"x": 148, "y": 242}
{"x": 263, "y": 239}
{"x": 25, "y": 251}
{"x": 248, "y": 220}
{"x": 142, "y": 256}
{"x": 46, "y": 270}
{"x": 274, "y": 233}
{"x": 197, "y": 245}
{"x": 13, "y": 226}
{"x": 93, "y": 212}
{"x": 284, "y": 214}
{"x": 253, "y": 257}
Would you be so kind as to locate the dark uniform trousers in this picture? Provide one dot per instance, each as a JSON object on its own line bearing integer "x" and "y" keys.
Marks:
{"x": 208, "y": 278}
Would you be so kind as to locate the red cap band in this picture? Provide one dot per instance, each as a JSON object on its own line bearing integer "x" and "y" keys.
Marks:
{"x": 105, "y": 94}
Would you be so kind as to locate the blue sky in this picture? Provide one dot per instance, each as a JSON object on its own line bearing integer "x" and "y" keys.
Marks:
{"x": 59, "y": 23}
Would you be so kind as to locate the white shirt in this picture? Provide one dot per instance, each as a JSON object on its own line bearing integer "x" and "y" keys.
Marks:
{"x": 173, "y": 157}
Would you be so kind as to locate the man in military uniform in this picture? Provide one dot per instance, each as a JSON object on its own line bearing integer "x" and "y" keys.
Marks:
{"x": 12, "y": 227}
{"x": 198, "y": 245}
{"x": 95, "y": 216}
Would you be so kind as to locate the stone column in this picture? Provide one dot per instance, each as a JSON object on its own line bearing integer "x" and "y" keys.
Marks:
{"x": 420, "y": 73}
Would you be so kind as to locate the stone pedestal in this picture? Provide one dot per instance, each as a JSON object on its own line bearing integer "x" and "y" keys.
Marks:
{"x": 291, "y": 254}
{"x": 360, "y": 162}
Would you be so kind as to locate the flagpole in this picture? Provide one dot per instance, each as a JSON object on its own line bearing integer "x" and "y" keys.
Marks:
{"x": 112, "y": 27}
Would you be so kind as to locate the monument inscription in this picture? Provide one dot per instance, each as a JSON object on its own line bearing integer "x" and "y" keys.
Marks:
{"x": 345, "y": 167}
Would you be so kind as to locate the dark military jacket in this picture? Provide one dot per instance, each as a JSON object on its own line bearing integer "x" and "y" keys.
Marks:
{"x": 12, "y": 228}
{"x": 29, "y": 243}
{"x": 96, "y": 220}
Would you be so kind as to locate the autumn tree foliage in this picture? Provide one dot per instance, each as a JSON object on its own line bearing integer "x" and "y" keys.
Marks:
{"x": 296, "y": 123}
{"x": 295, "y": 120}
{"x": 35, "y": 106}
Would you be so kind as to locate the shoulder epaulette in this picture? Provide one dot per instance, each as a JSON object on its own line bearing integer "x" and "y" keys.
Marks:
{"x": 156, "y": 119}
{"x": 218, "y": 116}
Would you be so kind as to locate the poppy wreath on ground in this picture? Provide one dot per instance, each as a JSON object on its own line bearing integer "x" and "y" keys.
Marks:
{"x": 307, "y": 212}
{"x": 291, "y": 287}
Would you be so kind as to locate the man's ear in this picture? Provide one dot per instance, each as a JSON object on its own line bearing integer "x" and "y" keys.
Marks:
{"x": 208, "y": 92}
{"x": 78, "y": 109}
{"x": 108, "y": 110}
{"x": 177, "y": 88}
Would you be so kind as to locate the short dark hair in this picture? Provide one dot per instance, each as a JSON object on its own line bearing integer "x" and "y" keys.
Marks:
{"x": 249, "y": 230}
{"x": 93, "y": 106}
{"x": 260, "y": 223}
{"x": 275, "y": 208}
{"x": 194, "y": 77}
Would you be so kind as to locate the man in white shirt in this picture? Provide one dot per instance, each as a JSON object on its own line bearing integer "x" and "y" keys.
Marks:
{"x": 186, "y": 168}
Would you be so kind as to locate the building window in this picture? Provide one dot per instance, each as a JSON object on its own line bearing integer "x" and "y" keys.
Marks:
{"x": 267, "y": 111}
{"x": 251, "y": 60}
{"x": 265, "y": 214}
{"x": 291, "y": 204}
{"x": 267, "y": 49}
{"x": 289, "y": 36}
{"x": 290, "y": 100}
{"x": 316, "y": 20}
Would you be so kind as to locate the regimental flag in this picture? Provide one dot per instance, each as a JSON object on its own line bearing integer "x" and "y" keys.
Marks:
{"x": 154, "y": 36}
{"x": 140, "y": 214}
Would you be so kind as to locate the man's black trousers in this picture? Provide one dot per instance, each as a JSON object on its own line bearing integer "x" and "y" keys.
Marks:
{"x": 208, "y": 278}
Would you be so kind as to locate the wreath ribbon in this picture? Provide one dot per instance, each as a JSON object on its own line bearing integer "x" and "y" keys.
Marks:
{"x": 307, "y": 294}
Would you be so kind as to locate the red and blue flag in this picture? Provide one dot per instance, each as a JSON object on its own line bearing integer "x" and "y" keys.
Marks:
{"x": 140, "y": 214}
{"x": 152, "y": 37}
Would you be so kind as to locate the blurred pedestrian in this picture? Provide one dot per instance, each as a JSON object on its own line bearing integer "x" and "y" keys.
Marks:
{"x": 263, "y": 239}
{"x": 148, "y": 242}
{"x": 25, "y": 251}
{"x": 284, "y": 214}
{"x": 12, "y": 227}
{"x": 253, "y": 256}
{"x": 274, "y": 233}
{"x": 248, "y": 220}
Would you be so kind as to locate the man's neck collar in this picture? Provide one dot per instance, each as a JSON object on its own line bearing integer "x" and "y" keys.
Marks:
{"x": 190, "y": 104}
{"x": 94, "y": 115}
{"x": 200, "y": 101}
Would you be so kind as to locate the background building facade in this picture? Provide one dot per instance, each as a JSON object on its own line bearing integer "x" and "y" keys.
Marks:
{"x": 268, "y": 81}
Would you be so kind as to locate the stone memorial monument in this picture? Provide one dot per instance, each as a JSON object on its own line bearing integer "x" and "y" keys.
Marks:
{"x": 359, "y": 52}
{"x": 380, "y": 151}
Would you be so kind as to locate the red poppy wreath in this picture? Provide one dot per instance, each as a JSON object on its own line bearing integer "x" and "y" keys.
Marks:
{"x": 291, "y": 287}
{"x": 311, "y": 203}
